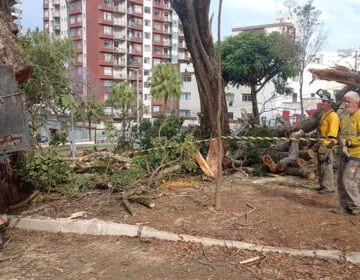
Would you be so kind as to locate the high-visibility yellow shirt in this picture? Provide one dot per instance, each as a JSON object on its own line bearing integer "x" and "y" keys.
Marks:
{"x": 350, "y": 131}
{"x": 329, "y": 125}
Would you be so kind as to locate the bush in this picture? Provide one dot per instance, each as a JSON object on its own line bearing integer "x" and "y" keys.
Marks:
{"x": 44, "y": 170}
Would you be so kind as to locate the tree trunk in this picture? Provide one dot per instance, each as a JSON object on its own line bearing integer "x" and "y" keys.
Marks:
{"x": 255, "y": 109}
{"x": 267, "y": 160}
{"x": 301, "y": 172}
{"x": 194, "y": 16}
{"x": 301, "y": 82}
{"x": 307, "y": 154}
{"x": 89, "y": 122}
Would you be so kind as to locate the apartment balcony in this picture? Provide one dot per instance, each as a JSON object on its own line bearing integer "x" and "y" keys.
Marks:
{"x": 120, "y": 76}
{"x": 56, "y": 26}
{"x": 167, "y": 19}
{"x": 119, "y": 50}
{"x": 16, "y": 13}
{"x": 182, "y": 46}
{"x": 119, "y": 36}
{"x": 167, "y": 6}
{"x": 120, "y": 9}
{"x": 167, "y": 31}
{"x": 119, "y": 23}
{"x": 56, "y": 14}
{"x": 56, "y": 2}
{"x": 166, "y": 55}
{"x": 134, "y": 25}
{"x": 181, "y": 33}
{"x": 167, "y": 43}
{"x": 120, "y": 63}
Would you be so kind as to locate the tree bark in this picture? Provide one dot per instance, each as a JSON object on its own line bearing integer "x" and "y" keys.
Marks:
{"x": 255, "y": 109}
{"x": 194, "y": 16}
{"x": 338, "y": 74}
{"x": 307, "y": 154}
{"x": 301, "y": 172}
{"x": 267, "y": 160}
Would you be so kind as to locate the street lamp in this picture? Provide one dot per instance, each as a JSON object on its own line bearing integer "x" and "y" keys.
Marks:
{"x": 137, "y": 97}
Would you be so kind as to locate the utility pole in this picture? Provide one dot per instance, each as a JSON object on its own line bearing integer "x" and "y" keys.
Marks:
{"x": 72, "y": 137}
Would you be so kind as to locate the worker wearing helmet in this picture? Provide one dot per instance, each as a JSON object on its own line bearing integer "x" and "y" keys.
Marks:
{"x": 328, "y": 128}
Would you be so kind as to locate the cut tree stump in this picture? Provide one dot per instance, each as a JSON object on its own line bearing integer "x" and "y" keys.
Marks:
{"x": 307, "y": 154}
{"x": 267, "y": 160}
{"x": 301, "y": 172}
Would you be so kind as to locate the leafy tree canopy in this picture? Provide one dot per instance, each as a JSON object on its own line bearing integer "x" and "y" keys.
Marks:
{"x": 254, "y": 58}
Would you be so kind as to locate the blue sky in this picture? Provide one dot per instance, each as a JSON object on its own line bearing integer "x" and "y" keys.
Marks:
{"x": 341, "y": 18}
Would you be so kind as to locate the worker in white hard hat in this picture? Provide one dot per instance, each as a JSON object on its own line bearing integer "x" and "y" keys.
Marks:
{"x": 328, "y": 128}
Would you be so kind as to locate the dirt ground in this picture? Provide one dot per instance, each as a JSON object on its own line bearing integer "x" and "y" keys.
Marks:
{"x": 68, "y": 256}
{"x": 287, "y": 212}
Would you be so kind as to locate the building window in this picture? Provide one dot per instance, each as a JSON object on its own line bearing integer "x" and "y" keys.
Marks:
{"x": 107, "y": 16}
{"x": 186, "y": 95}
{"x": 157, "y": 61}
{"x": 186, "y": 78}
{"x": 146, "y": 85}
{"x": 146, "y": 61}
{"x": 147, "y": 10}
{"x": 46, "y": 25}
{"x": 79, "y": 18}
{"x": 138, "y": 34}
{"x": 156, "y": 109}
{"x": 107, "y": 44}
{"x": 107, "y": 83}
{"x": 230, "y": 115}
{"x": 157, "y": 13}
{"x": 157, "y": 25}
{"x": 79, "y": 57}
{"x": 146, "y": 96}
{"x": 146, "y": 72}
{"x": 158, "y": 2}
{"x": 107, "y": 3}
{"x": 147, "y": 48}
{"x": 157, "y": 38}
{"x": 138, "y": 9}
{"x": 229, "y": 97}
{"x": 157, "y": 50}
{"x": 72, "y": 19}
{"x": 147, "y": 35}
{"x": 107, "y": 71}
{"x": 107, "y": 30}
{"x": 147, "y": 22}
{"x": 185, "y": 113}
{"x": 137, "y": 60}
{"x": 107, "y": 57}
{"x": 246, "y": 97}
{"x": 137, "y": 48}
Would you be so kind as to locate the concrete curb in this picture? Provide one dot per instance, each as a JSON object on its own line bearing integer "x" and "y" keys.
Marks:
{"x": 99, "y": 227}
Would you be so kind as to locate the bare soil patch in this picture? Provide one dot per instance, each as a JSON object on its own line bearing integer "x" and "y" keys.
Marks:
{"x": 44, "y": 255}
{"x": 288, "y": 212}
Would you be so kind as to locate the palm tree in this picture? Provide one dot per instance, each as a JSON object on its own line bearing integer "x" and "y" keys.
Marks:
{"x": 91, "y": 110}
{"x": 165, "y": 83}
{"x": 123, "y": 97}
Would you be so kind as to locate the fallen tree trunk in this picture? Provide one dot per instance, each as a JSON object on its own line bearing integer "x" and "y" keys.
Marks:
{"x": 301, "y": 172}
{"x": 290, "y": 162}
{"x": 203, "y": 165}
{"x": 307, "y": 154}
{"x": 102, "y": 155}
{"x": 338, "y": 74}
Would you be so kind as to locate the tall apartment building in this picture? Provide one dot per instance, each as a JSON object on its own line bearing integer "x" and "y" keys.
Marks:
{"x": 119, "y": 40}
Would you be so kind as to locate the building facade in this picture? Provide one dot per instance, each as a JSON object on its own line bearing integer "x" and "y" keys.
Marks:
{"x": 119, "y": 40}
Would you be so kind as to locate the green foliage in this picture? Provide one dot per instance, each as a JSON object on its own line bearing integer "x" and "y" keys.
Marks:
{"x": 80, "y": 183}
{"x": 165, "y": 82}
{"x": 128, "y": 177}
{"x": 57, "y": 139}
{"x": 255, "y": 149}
{"x": 250, "y": 58}
{"x": 167, "y": 127}
{"x": 44, "y": 170}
